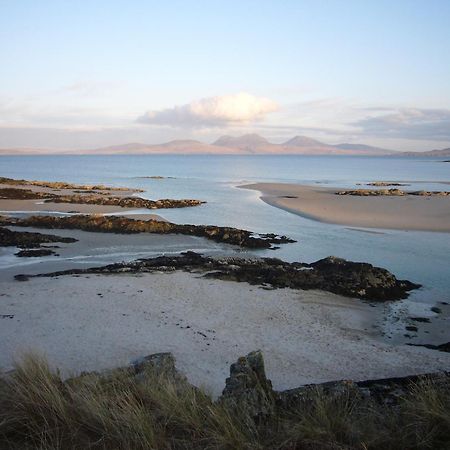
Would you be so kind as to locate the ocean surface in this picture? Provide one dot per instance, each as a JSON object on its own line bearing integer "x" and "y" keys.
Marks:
{"x": 422, "y": 257}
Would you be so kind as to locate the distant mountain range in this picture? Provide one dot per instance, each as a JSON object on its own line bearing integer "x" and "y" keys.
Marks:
{"x": 248, "y": 144}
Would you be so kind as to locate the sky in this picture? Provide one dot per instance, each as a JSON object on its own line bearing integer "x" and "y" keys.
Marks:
{"x": 93, "y": 73}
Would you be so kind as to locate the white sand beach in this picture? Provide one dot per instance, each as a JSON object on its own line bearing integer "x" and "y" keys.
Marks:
{"x": 94, "y": 322}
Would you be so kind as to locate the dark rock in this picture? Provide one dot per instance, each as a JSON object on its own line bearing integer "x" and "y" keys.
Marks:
{"x": 35, "y": 253}
{"x": 436, "y": 310}
{"x": 23, "y": 194}
{"x": 248, "y": 390}
{"x": 386, "y": 183}
{"x": 124, "y": 202}
{"x": 21, "y": 277}
{"x": 331, "y": 274}
{"x": 123, "y": 225}
{"x": 391, "y": 192}
{"x": 411, "y": 328}
{"x": 442, "y": 347}
{"x": 57, "y": 185}
{"x": 161, "y": 364}
{"x": 421, "y": 319}
{"x": 24, "y": 239}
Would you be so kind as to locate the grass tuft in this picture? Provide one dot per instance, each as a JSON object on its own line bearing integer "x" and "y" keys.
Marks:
{"x": 157, "y": 410}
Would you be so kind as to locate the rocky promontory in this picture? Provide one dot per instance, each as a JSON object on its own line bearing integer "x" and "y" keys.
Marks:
{"x": 123, "y": 225}
{"x": 63, "y": 185}
{"x": 124, "y": 202}
{"x": 347, "y": 278}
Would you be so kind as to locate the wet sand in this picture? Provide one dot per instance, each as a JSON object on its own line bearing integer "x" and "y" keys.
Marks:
{"x": 94, "y": 322}
{"x": 401, "y": 213}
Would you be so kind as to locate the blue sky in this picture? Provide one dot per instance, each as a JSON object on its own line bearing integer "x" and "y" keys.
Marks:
{"x": 92, "y": 73}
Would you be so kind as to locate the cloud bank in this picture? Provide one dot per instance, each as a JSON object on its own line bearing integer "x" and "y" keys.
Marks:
{"x": 213, "y": 111}
{"x": 409, "y": 123}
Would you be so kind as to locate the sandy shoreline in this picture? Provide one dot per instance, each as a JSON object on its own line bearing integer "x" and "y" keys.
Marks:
{"x": 402, "y": 213}
{"x": 96, "y": 322}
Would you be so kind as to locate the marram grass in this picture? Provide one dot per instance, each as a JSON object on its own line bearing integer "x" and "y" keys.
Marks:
{"x": 38, "y": 410}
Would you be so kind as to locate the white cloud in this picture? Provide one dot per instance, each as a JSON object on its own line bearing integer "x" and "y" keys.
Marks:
{"x": 213, "y": 111}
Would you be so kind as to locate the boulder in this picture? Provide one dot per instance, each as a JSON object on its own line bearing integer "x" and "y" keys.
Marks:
{"x": 247, "y": 390}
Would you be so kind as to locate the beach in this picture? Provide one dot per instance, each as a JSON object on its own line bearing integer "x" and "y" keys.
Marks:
{"x": 385, "y": 212}
{"x": 95, "y": 322}
{"x": 89, "y": 322}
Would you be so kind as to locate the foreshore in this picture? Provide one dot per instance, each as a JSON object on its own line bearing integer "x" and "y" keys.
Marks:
{"x": 418, "y": 213}
{"x": 94, "y": 322}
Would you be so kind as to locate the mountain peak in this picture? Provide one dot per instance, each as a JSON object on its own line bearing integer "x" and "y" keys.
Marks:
{"x": 246, "y": 140}
{"x": 303, "y": 141}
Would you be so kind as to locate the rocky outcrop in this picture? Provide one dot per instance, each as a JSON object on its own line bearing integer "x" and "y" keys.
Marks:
{"x": 123, "y": 225}
{"x": 430, "y": 193}
{"x": 372, "y": 192}
{"x": 63, "y": 185}
{"x": 23, "y": 239}
{"x": 35, "y": 253}
{"x": 248, "y": 390}
{"x": 386, "y": 183}
{"x": 441, "y": 347}
{"x": 124, "y": 202}
{"x": 391, "y": 193}
{"x": 23, "y": 194}
{"x": 331, "y": 274}
{"x": 93, "y": 197}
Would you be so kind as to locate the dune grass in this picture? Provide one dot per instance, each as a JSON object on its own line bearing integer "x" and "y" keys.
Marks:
{"x": 118, "y": 410}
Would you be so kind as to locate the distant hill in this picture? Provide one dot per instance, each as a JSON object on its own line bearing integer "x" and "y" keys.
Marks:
{"x": 172, "y": 147}
{"x": 365, "y": 148}
{"x": 246, "y": 144}
{"x": 438, "y": 153}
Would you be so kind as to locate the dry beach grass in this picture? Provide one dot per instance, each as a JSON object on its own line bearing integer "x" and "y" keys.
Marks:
{"x": 117, "y": 410}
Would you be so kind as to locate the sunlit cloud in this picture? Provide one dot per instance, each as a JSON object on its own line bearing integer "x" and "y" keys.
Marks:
{"x": 213, "y": 111}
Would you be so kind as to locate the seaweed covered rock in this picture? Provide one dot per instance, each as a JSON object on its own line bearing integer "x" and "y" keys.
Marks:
{"x": 351, "y": 279}
{"x": 24, "y": 239}
{"x": 124, "y": 225}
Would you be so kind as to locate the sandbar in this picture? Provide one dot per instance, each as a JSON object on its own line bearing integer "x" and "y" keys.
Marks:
{"x": 322, "y": 204}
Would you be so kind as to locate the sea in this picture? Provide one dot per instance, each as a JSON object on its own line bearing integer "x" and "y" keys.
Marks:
{"x": 422, "y": 257}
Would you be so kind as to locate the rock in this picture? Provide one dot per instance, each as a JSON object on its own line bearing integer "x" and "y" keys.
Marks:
{"x": 372, "y": 192}
{"x": 57, "y": 185}
{"x": 436, "y": 310}
{"x": 386, "y": 183}
{"x": 23, "y": 194}
{"x": 161, "y": 364}
{"x": 123, "y": 225}
{"x": 391, "y": 192}
{"x": 411, "y": 328}
{"x": 421, "y": 319}
{"x": 442, "y": 347}
{"x": 124, "y": 202}
{"x": 35, "y": 253}
{"x": 24, "y": 239}
{"x": 331, "y": 274}
{"x": 247, "y": 390}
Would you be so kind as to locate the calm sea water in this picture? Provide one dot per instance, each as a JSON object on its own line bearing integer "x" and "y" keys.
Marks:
{"x": 422, "y": 257}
